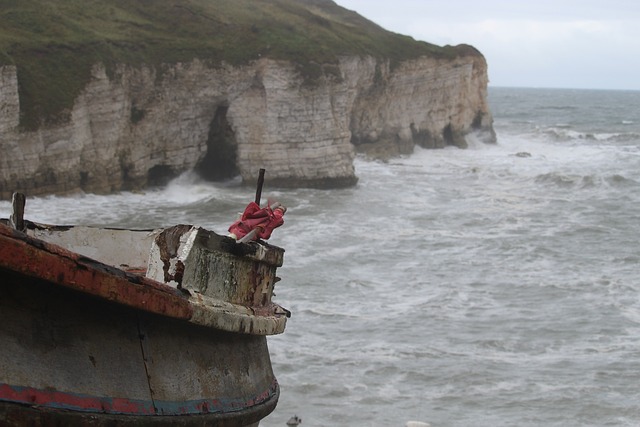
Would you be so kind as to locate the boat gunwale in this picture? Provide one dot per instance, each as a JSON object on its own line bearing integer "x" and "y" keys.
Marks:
{"x": 33, "y": 257}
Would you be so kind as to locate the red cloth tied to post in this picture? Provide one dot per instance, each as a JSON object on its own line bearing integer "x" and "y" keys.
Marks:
{"x": 263, "y": 219}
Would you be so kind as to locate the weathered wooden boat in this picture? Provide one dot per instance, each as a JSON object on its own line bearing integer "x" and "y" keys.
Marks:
{"x": 98, "y": 329}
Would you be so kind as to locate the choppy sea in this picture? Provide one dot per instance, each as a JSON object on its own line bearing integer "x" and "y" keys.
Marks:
{"x": 493, "y": 286}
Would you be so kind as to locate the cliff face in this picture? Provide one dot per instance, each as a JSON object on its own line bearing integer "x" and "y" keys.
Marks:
{"x": 428, "y": 102}
{"x": 138, "y": 126}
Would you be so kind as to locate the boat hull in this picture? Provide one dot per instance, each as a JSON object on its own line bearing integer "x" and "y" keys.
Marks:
{"x": 69, "y": 357}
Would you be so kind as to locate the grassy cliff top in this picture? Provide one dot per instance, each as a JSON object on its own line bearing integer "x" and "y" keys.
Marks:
{"x": 54, "y": 43}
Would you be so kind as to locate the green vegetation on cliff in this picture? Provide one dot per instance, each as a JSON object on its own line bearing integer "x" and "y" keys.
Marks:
{"x": 54, "y": 43}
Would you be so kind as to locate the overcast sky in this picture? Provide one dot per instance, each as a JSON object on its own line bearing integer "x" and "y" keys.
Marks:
{"x": 543, "y": 43}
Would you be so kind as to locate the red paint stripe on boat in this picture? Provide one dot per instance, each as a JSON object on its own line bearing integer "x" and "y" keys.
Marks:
{"x": 122, "y": 406}
{"x": 72, "y": 401}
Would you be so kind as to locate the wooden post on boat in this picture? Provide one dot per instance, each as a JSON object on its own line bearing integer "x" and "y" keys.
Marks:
{"x": 17, "y": 217}
{"x": 259, "y": 187}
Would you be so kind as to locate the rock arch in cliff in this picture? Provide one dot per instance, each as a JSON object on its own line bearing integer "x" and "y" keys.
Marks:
{"x": 220, "y": 161}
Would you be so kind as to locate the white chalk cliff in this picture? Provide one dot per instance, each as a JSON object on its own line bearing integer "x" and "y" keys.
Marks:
{"x": 134, "y": 127}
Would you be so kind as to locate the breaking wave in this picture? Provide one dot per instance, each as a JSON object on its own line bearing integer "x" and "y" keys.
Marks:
{"x": 566, "y": 133}
{"x": 576, "y": 181}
